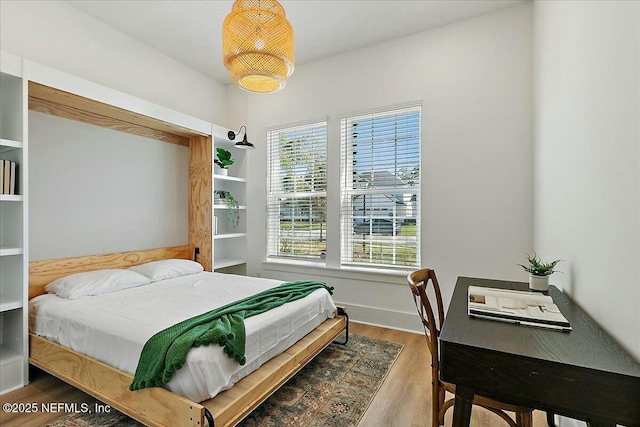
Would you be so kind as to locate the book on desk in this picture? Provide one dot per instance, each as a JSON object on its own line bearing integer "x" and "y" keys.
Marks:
{"x": 524, "y": 308}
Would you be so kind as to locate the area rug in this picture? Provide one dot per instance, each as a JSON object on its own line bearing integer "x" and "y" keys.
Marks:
{"x": 334, "y": 389}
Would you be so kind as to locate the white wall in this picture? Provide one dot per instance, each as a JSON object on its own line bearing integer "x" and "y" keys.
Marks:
{"x": 587, "y": 157}
{"x": 474, "y": 80}
{"x": 94, "y": 190}
{"x": 56, "y": 34}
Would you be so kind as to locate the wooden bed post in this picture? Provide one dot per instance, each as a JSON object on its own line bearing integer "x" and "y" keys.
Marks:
{"x": 200, "y": 199}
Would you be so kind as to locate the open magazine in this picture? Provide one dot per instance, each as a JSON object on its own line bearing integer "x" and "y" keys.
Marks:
{"x": 525, "y": 308}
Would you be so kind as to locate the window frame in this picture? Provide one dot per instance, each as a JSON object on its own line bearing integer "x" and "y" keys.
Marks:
{"x": 347, "y": 217}
{"x": 274, "y": 197}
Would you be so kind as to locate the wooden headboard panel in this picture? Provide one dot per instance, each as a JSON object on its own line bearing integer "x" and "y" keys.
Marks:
{"x": 43, "y": 272}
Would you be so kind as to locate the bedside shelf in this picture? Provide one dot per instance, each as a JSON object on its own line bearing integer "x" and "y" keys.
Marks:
{"x": 226, "y": 207}
{"x": 11, "y": 198}
{"x": 9, "y": 144}
{"x": 10, "y": 251}
{"x": 229, "y": 178}
{"x": 10, "y": 305}
{"x": 229, "y": 236}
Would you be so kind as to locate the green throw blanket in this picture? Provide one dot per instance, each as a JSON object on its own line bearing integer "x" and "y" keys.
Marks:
{"x": 166, "y": 351}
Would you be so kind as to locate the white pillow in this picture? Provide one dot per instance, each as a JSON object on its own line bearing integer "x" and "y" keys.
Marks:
{"x": 167, "y": 269}
{"x": 96, "y": 282}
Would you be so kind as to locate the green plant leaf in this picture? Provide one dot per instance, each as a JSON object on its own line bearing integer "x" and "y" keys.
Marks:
{"x": 233, "y": 211}
{"x": 224, "y": 159}
{"x": 537, "y": 267}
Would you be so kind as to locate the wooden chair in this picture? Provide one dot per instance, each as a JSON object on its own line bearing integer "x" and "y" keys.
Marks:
{"x": 418, "y": 281}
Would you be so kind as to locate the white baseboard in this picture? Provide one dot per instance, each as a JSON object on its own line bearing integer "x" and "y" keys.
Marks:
{"x": 408, "y": 322}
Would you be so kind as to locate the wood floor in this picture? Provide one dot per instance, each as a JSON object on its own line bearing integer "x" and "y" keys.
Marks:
{"x": 404, "y": 400}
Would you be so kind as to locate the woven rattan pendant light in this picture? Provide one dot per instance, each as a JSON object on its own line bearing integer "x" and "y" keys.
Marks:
{"x": 257, "y": 45}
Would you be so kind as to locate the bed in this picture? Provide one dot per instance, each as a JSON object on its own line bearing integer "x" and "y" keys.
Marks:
{"x": 194, "y": 395}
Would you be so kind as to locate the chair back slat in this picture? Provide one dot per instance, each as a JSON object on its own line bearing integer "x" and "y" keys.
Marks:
{"x": 419, "y": 282}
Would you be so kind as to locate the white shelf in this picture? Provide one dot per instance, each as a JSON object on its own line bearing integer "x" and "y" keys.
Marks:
{"x": 223, "y": 263}
{"x": 9, "y": 305}
{"x": 226, "y": 207}
{"x": 9, "y": 144}
{"x": 11, "y": 198}
{"x": 10, "y": 251}
{"x": 8, "y": 355}
{"x": 229, "y": 236}
{"x": 229, "y": 178}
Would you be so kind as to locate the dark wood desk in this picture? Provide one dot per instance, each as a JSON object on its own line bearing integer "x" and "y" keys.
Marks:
{"x": 583, "y": 374}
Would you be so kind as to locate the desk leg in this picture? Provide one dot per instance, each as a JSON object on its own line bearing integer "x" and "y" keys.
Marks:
{"x": 462, "y": 406}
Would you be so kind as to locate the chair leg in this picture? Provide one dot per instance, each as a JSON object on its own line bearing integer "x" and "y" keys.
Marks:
{"x": 524, "y": 419}
{"x": 435, "y": 405}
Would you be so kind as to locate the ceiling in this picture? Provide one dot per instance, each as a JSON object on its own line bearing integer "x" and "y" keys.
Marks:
{"x": 191, "y": 31}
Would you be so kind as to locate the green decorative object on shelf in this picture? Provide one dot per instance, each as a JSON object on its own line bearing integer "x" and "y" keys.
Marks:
{"x": 224, "y": 159}
{"x": 233, "y": 211}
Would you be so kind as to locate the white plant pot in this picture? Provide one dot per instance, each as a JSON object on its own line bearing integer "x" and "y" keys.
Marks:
{"x": 538, "y": 283}
{"x": 223, "y": 172}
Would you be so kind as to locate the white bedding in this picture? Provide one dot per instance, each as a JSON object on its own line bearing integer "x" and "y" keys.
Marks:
{"x": 114, "y": 327}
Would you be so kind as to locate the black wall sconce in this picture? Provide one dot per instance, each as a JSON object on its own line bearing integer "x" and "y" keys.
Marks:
{"x": 244, "y": 144}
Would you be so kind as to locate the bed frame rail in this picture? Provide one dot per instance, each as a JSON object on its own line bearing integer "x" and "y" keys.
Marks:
{"x": 158, "y": 407}
{"x": 231, "y": 406}
{"x": 155, "y": 406}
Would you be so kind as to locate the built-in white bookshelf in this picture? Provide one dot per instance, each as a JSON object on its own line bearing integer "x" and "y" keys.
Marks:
{"x": 229, "y": 242}
{"x": 13, "y": 228}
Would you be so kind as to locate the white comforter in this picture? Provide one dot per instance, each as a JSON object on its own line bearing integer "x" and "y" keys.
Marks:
{"x": 114, "y": 327}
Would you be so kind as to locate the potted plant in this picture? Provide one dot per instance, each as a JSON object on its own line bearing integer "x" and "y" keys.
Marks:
{"x": 224, "y": 160}
{"x": 233, "y": 211}
{"x": 539, "y": 272}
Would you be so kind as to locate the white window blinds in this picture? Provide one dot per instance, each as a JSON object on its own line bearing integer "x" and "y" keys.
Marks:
{"x": 297, "y": 192}
{"x": 380, "y": 212}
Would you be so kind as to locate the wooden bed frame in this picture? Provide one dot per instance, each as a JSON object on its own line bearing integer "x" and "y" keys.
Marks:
{"x": 158, "y": 406}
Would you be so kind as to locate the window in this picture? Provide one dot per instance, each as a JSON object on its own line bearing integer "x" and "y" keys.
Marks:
{"x": 297, "y": 192}
{"x": 380, "y": 213}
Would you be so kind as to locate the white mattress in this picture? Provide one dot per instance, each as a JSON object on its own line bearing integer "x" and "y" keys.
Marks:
{"x": 114, "y": 327}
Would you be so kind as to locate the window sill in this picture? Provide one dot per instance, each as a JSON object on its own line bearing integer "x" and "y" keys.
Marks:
{"x": 381, "y": 275}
